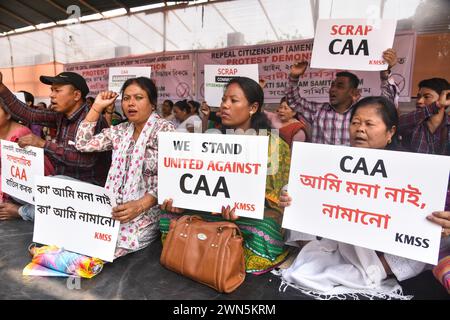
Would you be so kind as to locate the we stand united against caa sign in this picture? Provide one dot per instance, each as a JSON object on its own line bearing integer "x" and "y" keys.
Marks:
{"x": 375, "y": 199}
{"x": 354, "y": 44}
{"x": 207, "y": 171}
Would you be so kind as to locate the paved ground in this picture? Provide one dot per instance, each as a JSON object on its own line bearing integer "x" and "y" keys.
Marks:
{"x": 140, "y": 276}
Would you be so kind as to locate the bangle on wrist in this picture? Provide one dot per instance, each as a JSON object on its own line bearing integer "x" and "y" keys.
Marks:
{"x": 95, "y": 110}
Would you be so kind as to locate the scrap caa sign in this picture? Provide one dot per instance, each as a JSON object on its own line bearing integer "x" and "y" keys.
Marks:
{"x": 355, "y": 44}
{"x": 217, "y": 76}
{"x": 368, "y": 198}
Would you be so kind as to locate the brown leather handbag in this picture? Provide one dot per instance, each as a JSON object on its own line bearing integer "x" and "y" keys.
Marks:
{"x": 208, "y": 252}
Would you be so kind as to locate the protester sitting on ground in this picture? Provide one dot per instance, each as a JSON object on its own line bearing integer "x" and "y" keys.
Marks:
{"x": 68, "y": 93}
{"x": 133, "y": 175}
{"x": 263, "y": 239}
{"x": 188, "y": 121}
{"x": 326, "y": 267}
{"x": 195, "y": 107}
{"x": 285, "y": 120}
{"x": 329, "y": 121}
{"x": 166, "y": 111}
{"x": 12, "y": 131}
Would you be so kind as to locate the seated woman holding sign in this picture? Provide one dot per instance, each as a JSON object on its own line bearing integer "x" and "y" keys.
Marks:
{"x": 133, "y": 176}
{"x": 12, "y": 131}
{"x": 330, "y": 268}
{"x": 263, "y": 239}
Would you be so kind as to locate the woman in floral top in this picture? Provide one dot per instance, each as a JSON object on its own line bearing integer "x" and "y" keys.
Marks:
{"x": 133, "y": 175}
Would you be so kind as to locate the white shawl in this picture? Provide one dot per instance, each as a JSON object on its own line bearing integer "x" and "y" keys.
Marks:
{"x": 327, "y": 269}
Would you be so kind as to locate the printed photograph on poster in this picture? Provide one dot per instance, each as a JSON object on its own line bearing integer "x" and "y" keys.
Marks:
{"x": 352, "y": 44}
{"x": 217, "y": 76}
{"x": 20, "y": 166}
{"x": 207, "y": 171}
{"x": 368, "y": 198}
{"x": 76, "y": 216}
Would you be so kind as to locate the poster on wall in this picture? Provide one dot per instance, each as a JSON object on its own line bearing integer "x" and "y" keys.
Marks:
{"x": 173, "y": 73}
{"x": 274, "y": 61}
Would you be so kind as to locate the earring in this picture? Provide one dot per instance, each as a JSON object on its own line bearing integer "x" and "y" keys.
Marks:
{"x": 389, "y": 141}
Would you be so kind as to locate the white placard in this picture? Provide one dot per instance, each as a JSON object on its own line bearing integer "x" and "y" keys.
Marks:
{"x": 371, "y": 198}
{"x": 207, "y": 171}
{"x": 75, "y": 216}
{"x": 217, "y": 76}
{"x": 117, "y": 76}
{"x": 20, "y": 96}
{"x": 20, "y": 166}
{"x": 353, "y": 44}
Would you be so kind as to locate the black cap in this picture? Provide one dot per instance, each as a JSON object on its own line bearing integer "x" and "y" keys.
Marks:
{"x": 68, "y": 78}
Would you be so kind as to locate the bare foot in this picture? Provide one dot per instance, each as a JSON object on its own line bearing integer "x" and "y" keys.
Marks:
{"x": 9, "y": 211}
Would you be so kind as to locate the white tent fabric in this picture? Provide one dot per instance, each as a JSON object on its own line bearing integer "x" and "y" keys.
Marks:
{"x": 207, "y": 26}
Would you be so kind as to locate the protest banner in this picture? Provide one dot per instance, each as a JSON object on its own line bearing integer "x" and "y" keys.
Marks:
{"x": 368, "y": 198}
{"x": 75, "y": 216}
{"x": 274, "y": 61}
{"x": 353, "y": 44}
{"x": 173, "y": 73}
{"x": 118, "y": 76}
{"x": 217, "y": 76}
{"x": 207, "y": 171}
{"x": 20, "y": 166}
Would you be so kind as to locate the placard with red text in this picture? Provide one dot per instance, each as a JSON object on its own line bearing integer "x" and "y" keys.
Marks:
{"x": 370, "y": 198}
{"x": 217, "y": 76}
{"x": 207, "y": 171}
{"x": 75, "y": 216}
{"x": 353, "y": 44}
{"x": 19, "y": 168}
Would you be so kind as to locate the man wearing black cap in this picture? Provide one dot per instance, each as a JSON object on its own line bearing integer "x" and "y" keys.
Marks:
{"x": 68, "y": 94}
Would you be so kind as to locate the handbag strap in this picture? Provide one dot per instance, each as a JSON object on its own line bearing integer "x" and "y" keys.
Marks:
{"x": 234, "y": 226}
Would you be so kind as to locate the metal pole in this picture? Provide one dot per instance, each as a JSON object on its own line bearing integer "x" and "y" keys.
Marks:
{"x": 12, "y": 62}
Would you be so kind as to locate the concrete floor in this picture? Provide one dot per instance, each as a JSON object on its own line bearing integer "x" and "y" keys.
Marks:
{"x": 140, "y": 276}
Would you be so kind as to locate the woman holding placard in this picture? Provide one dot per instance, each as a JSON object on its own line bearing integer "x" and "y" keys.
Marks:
{"x": 133, "y": 176}
{"x": 330, "y": 268}
{"x": 263, "y": 239}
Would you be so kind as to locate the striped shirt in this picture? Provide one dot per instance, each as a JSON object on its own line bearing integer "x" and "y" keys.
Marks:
{"x": 328, "y": 125}
{"x": 416, "y": 136}
{"x": 87, "y": 167}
